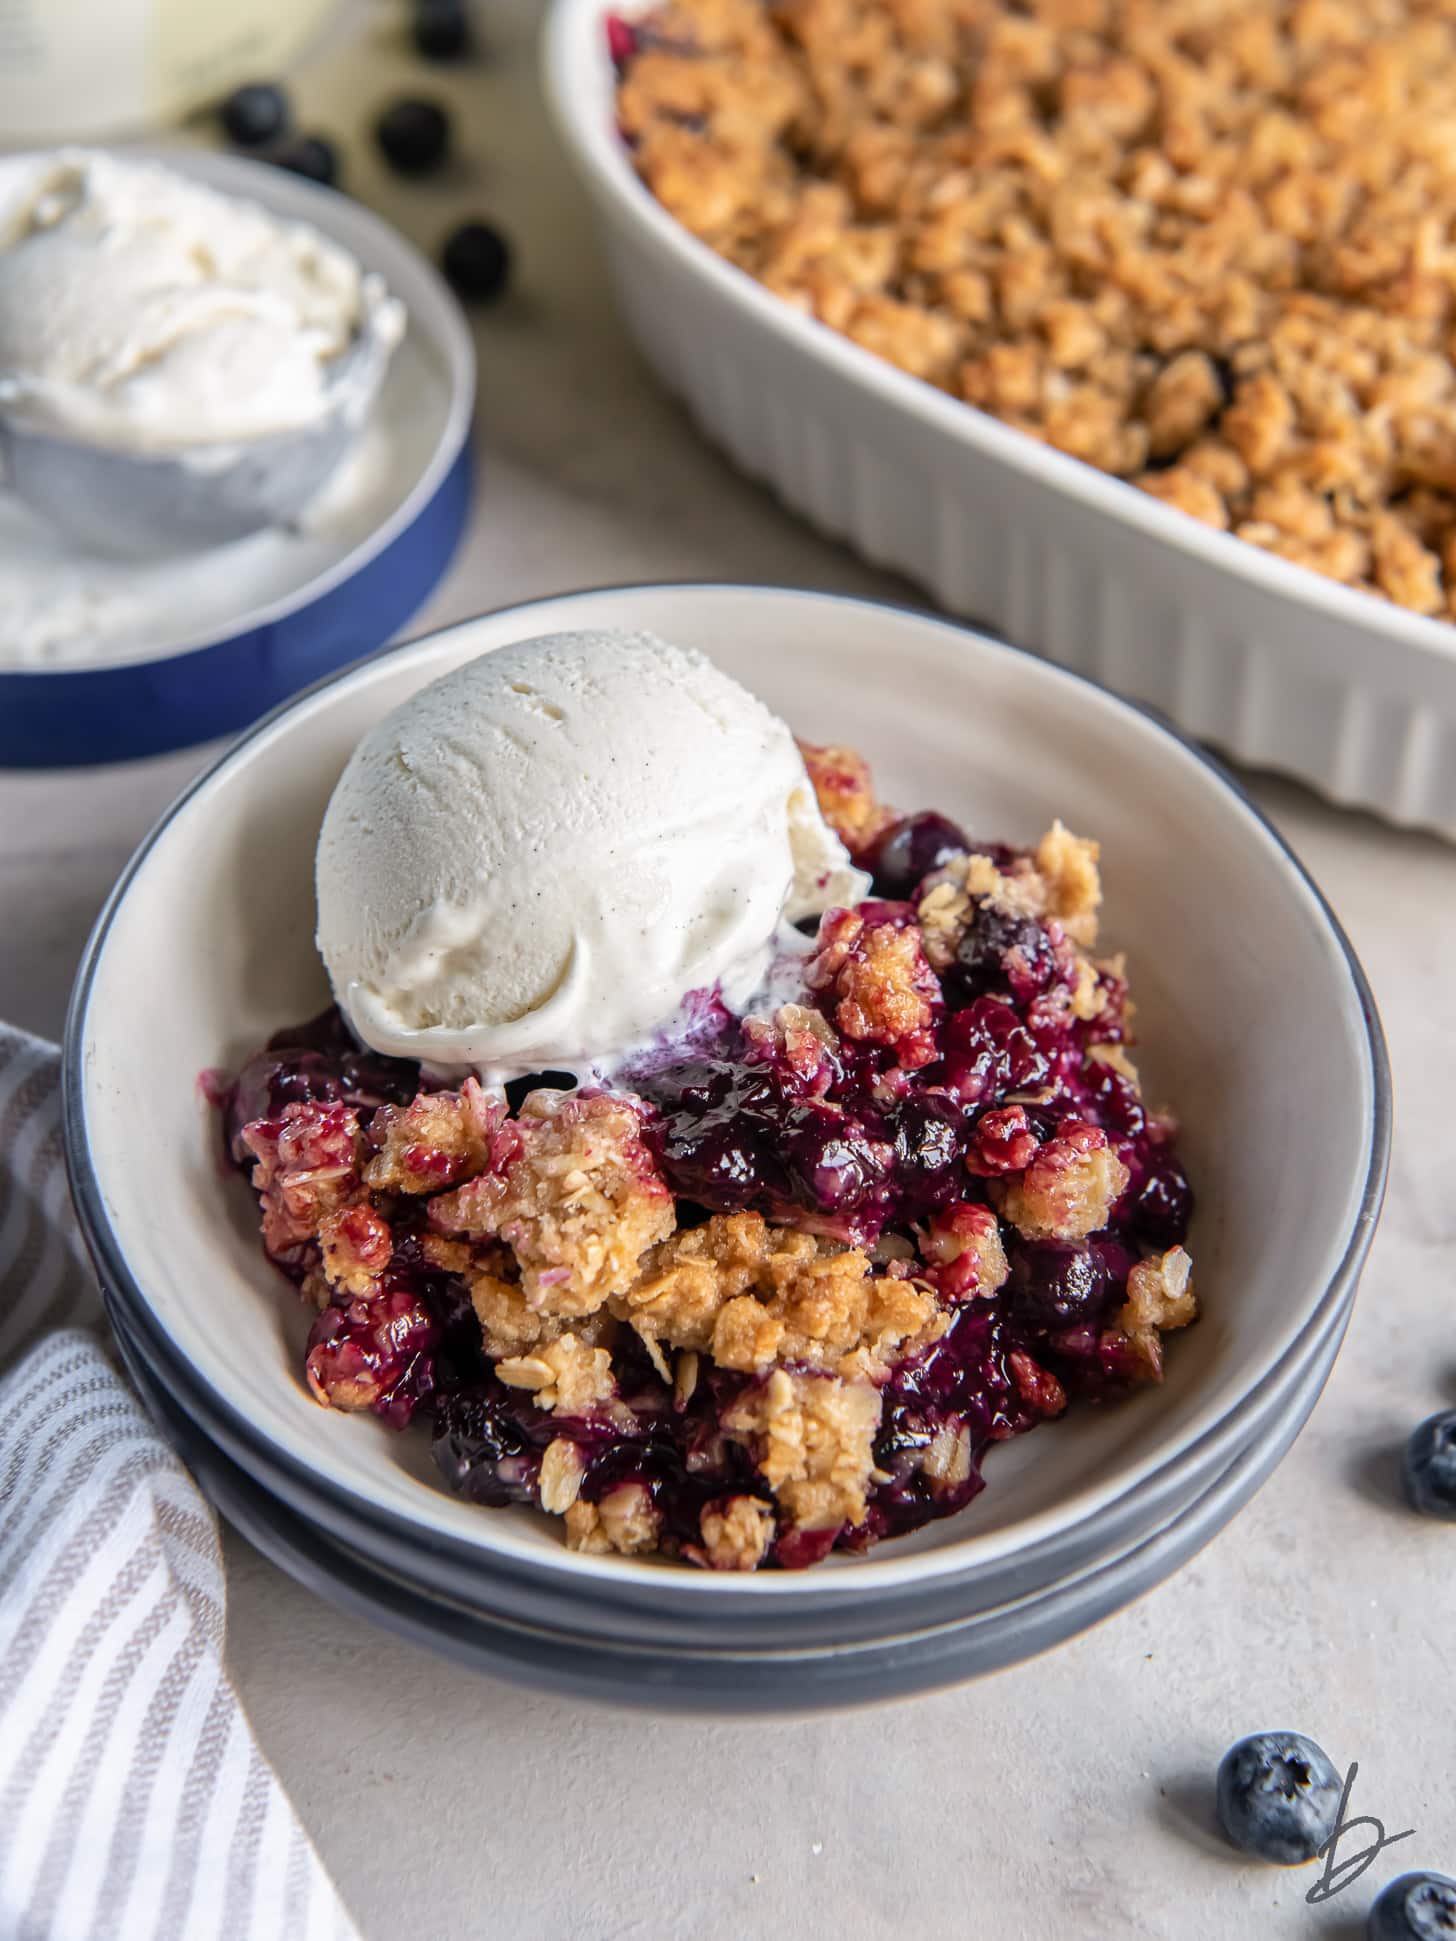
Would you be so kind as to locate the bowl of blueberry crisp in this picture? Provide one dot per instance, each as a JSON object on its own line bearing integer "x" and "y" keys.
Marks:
{"x": 674, "y": 1110}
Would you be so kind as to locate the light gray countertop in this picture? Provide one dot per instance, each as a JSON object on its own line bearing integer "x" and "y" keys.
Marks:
{"x": 1065, "y": 1797}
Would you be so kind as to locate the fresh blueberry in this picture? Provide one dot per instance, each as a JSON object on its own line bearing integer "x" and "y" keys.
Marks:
{"x": 440, "y": 29}
{"x": 255, "y": 114}
{"x": 1278, "y": 1797}
{"x": 1429, "y": 1467}
{"x": 310, "y": 156}
{"x": 414, "y": 136}
{"x": 1417, "y": 1907}
{"x": 477, "y": 261}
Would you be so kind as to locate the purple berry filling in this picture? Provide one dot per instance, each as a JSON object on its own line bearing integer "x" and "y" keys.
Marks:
{"x": 849, "y": 1145}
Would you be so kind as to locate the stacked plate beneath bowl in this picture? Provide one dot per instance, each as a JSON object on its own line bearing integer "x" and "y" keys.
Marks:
{"x": 1254, "y": 1018}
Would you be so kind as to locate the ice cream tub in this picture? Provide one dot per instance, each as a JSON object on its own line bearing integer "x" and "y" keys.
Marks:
{"x": 108, "y": 659}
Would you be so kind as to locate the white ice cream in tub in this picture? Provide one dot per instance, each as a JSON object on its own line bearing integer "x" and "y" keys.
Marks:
{"x": 147, "y": 317}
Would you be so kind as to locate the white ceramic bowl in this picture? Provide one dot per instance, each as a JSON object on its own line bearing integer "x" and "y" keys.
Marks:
{"x": 1279, "y": 666}
{"x": 1255, "y": 1019}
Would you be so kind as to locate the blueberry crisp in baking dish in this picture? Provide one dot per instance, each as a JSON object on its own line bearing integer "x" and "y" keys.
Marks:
{"x": 1204, "y": 245}
{"x": 769, "y": 1280}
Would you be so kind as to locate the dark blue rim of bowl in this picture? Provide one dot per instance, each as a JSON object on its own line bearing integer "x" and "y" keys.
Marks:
{"x": 788, "y": 1684}
{"x": 70, "y": 717}
{"x": 89, "y": 1202}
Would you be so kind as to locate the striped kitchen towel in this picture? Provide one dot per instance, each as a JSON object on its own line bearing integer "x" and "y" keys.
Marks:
{"x": 134, "y": 1802}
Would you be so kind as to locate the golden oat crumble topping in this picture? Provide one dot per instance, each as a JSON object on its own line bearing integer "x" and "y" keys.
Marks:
{"x": 624, "y": 1521}
{"x": 1115, "y": 1057}
{"x": 438, "y": 1138}
{"x": 877, "y": 982}
{"x": 559, "y": 1483}
{"x": 355, "y": 1244}
{"x": 508, "y": 1324}
{"x": 1060, "y": 880}
{"x": 947, "y": 1457}
{"x": 964, "y": 1243}
{"x": 564, "y": 1363}
{"x": 845, "y": 792}
{"x": 1067, "y": 865}
{"x": 812, "y": 1439}
{"x": 1068, "y": 1190}
{"x": 737, "y": 1534}
{"x": 578, "y": 1201}
{"x": 1200, "y": 244}
{"x": 305, "y": 1166}
{"x": 567, "y": 1375}
{"x": 1160, "y": 1298}
{"x": 752, "y": 1295}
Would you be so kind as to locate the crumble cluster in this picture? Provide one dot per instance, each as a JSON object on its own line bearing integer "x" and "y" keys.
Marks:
{"x": 967, "y": 1036}
{"x": 1202, "y": 244}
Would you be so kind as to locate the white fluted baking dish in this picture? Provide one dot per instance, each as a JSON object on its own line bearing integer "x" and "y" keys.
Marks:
{"x": 1281, "y": 668}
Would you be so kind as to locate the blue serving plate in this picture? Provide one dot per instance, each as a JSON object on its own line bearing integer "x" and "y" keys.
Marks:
{"x": 349, "y": 597}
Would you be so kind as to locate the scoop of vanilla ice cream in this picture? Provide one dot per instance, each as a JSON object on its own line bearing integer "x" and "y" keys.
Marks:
{"x": 141, "y": 310}
{"x": 533, "y": 861}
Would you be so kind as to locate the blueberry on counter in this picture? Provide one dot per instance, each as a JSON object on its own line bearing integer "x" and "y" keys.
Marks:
{"x": 1429, "y": 1466}
{"x": 413, "y": 136}
{"x": 310, "y": 156}
{"x": 1417, "y": 1907}
{"x": 440, "y": 29}
{"x": 254, "y": 114}
{"x": 1278, "y": 1797}
{"x": 477, "y": 261}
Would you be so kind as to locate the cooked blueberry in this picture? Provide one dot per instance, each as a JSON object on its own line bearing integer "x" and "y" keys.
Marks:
{"x": 481, "y": 1449}
{"x": 1429, "y": 1467}
{"x": 989, "y": 1052}
{"x": 910, "y": 849}
{"x": 413, "y": 136}
{"x": 1416, "y": 1907}
{"x": 1116, "y": 1103}
{"x": 440, "y": 29}
{"x": 477, "y": 261}
{"x": 928, "y": 1146}
{"x": 1057, "y": 1286}
{"x": 310, "y": 156}
{"x": 832, "y": 1167}
{"x": 1278, "y": 1797}
{"x": 255, "y": 114}
{"x": 1162, "y": 1202}
{"x": 996, "y": 949}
